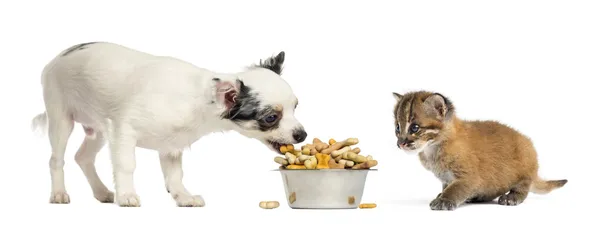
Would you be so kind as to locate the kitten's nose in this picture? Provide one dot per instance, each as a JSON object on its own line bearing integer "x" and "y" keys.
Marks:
{"x": 404, "y": 142}
{"x": 299, "y": 135}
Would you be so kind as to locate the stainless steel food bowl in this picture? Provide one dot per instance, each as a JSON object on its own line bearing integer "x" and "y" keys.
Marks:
{"x": 324, "y": 189}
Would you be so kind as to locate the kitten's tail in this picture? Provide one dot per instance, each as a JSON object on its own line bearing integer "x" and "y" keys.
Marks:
{"x": 540, "y": 186}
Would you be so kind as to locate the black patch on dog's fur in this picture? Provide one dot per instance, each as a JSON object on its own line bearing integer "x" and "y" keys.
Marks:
{"x": 77, "y": 47}
{"x": 264, "y": 125}
{"x": 274, "y": 64}
{"x": 247, "y": 108}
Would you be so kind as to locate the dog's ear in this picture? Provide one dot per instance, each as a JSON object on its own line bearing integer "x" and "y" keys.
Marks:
{"x": 227, "y": 92}
{"x": 274, "y": 63}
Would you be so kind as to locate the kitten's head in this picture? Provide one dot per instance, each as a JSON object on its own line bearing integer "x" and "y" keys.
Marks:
{"x": 419, "y": 119}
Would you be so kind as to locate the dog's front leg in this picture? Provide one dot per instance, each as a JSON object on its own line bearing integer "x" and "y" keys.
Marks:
{"x": 122, "y": 145}
{"x": 171, "y": 164}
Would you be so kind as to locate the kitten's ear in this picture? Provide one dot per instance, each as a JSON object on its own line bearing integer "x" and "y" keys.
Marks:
{"x": 397, "y": 96}
{"x": 436, "y": 105}
{"x": 274, "y": 63}
{"x": 227, "y": 92}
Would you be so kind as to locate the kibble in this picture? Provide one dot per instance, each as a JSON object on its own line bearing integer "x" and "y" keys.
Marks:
{"x": 321, "y": 155}
{"x": 367, "y": 205}
{"x": 268, "y": 204}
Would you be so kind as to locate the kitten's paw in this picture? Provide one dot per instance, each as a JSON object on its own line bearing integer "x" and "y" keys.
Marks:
{"x": 60, "y": 197}
{"x": 442, "y": 204}
{"x": 128, "y": 200}
{"x": 510, "y": 199}
{"x": 189, "y": 200}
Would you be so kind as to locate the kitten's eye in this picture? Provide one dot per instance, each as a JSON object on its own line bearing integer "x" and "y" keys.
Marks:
{"x": 414, "y": 128}
{"x": 271, "y": 118}
{"x": 398, "y": 128}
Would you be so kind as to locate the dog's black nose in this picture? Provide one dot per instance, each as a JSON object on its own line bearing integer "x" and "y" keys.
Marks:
{"x": 299, "y": 135}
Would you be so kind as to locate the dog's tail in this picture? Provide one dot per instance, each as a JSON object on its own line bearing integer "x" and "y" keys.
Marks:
{"x": 39, "y": 124}
{"x": 540, "y": 186}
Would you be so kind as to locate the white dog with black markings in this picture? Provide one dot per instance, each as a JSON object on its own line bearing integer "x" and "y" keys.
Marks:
{"x": 130, "y": 99}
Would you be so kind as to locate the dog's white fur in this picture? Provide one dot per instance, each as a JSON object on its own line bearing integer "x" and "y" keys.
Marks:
{"x": 130, "y": 99}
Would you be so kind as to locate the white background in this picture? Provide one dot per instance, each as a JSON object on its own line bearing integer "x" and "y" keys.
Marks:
{"x": 530, "y": 64}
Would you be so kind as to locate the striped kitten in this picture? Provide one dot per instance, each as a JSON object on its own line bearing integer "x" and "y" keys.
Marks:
{"x": 476, "y": 161}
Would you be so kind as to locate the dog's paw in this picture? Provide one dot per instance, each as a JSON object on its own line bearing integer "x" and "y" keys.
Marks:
{"x": 189, "y": 201}
{"x": 442, "y": 204}
{"x": 60, "y": 197}
{"x": 105, "y": 197}
{"x": 509, "y": 199}
{"x": 128, "y": 200}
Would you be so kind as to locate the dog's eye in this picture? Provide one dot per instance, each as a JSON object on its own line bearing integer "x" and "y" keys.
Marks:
{"x": 398, "y": 128}
{"x": 414, "y": 128}
{"x": 271, "y": 118}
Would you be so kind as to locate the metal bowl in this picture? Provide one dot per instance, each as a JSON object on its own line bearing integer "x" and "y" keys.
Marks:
{"x": 324, "y": 189}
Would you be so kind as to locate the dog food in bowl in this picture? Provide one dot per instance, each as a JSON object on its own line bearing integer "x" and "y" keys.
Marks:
{"x": 325, "y": 175}
{"x": 321, "y": 155}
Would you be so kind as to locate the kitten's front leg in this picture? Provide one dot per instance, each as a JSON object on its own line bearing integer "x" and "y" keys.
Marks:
{"x": 453, "y": 195}
{"x": 444, "y": 185}
{"x": 171, "y": 164}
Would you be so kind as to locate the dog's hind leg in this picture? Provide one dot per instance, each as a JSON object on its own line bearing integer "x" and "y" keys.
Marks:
{"x": 171, "y": 164}
{"x": 86, "y": 157}
{"x": 60, "y": 126}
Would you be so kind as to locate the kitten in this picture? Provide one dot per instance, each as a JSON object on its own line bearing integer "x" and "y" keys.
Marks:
{"x": 476, "y": 161}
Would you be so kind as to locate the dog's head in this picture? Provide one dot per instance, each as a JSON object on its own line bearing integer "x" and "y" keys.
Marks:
{"x": 261, "y": 104}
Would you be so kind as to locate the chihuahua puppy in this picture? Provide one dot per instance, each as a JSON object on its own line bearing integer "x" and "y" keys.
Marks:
{"x": 125, "y": 98}
{"x": 476, "y": 161}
